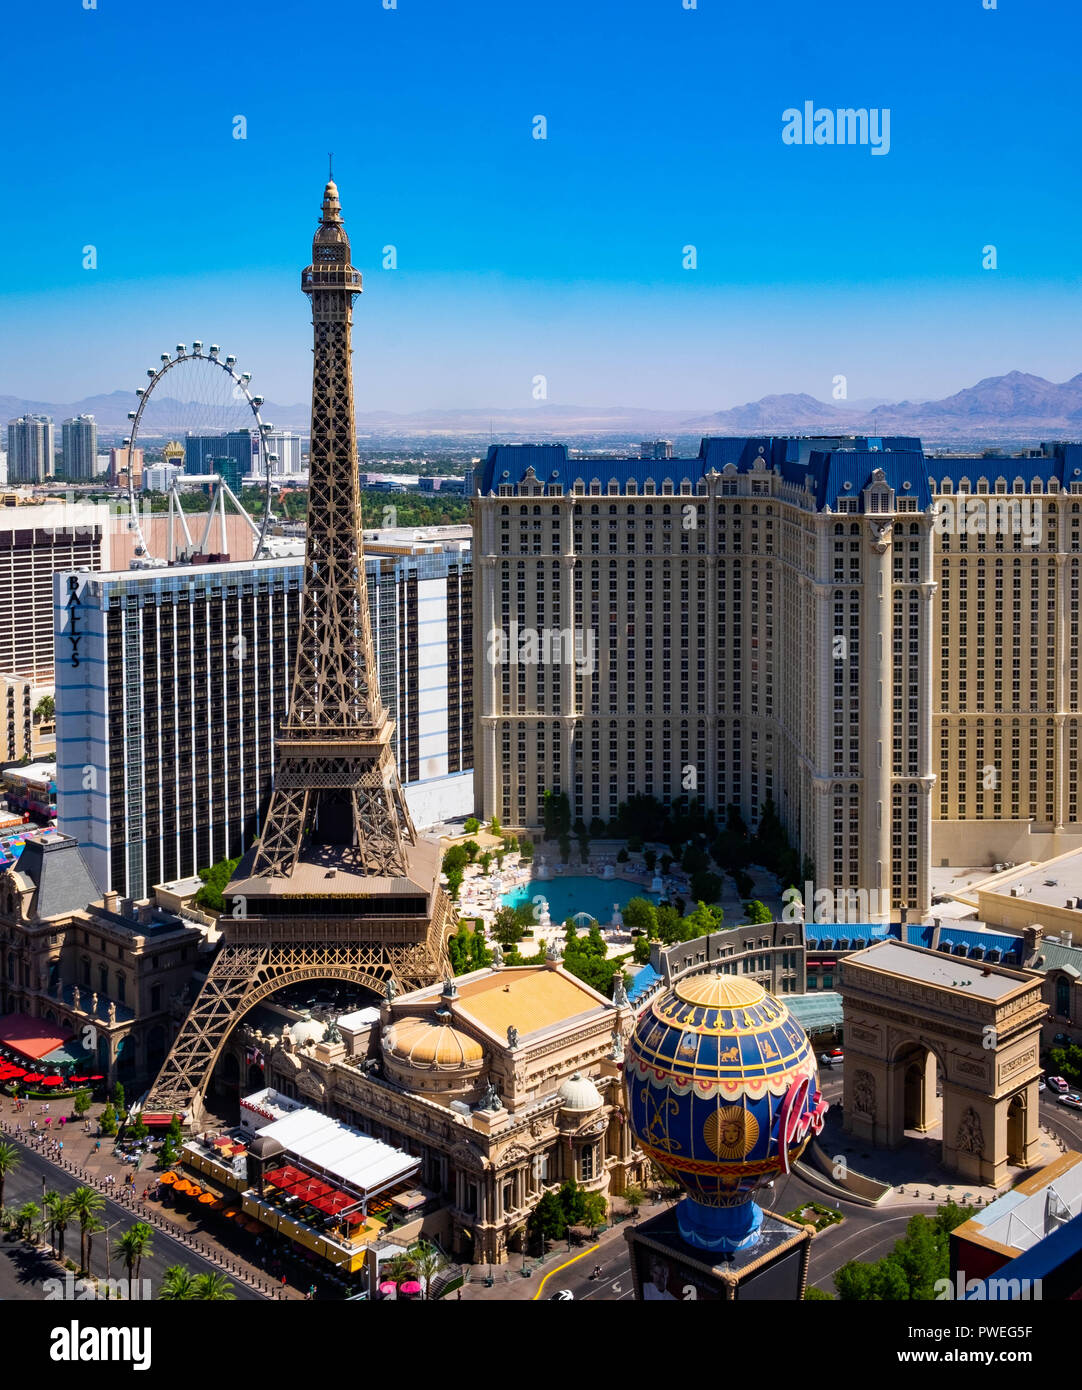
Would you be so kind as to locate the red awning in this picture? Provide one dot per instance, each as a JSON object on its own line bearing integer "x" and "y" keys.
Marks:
{"x": 32, "y": 1037}
{"x": 284, "y": 1177}
{"x": 335, "y": 1202}
{"x": 310, "y": 1188}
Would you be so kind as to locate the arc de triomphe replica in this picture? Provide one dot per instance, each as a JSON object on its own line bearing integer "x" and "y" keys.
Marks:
{"x": 914, "y": 1017}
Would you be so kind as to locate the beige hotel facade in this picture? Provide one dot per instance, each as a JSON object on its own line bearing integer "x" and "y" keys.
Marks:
{"x": 820, "y": 621}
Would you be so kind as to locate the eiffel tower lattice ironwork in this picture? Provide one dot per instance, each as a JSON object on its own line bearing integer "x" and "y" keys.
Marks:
{"x": 339, "y": 885}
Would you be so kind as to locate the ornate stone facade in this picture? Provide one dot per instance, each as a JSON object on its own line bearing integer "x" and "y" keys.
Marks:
{"x": 917, "y": 1021}
{"x": 496, "y": 1123}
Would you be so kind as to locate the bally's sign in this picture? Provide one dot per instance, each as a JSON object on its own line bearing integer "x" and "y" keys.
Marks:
{"x": 73, "y": 605}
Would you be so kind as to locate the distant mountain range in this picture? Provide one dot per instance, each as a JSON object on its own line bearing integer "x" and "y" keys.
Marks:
{"x": 1017, "y": 407}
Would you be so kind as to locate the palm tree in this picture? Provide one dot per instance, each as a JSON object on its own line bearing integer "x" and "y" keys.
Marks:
{"x": 62, "y": 1213}
{"x": 85, "y": 1202}
{"x": 10, "y": 1158}
{"x": 427, "y": 1261}
{"x": 131, "y": 1247}
{"x": 88, "y": 1231}
{"x": 177, "y": 1284}
{"x": 399, "y": 1267}
{"x": 27, "y": 1219}
{"x": 212, "y": 1288}
{"x": 51, "y": 1203}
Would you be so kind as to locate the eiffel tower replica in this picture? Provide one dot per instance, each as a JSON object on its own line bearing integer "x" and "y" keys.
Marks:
{"x": 338, "y": 886}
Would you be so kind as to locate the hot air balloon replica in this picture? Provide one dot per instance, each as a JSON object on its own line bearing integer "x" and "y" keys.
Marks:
{"x": 723, "y": 1092}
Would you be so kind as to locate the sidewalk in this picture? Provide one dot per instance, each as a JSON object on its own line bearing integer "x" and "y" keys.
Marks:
{"x": 237, "y": 1256}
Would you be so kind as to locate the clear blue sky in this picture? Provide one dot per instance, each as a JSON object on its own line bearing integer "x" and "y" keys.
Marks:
{"x": 562, "y": 257}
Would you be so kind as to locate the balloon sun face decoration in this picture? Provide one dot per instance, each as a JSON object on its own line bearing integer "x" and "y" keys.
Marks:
{"x": 724, "y": 1095}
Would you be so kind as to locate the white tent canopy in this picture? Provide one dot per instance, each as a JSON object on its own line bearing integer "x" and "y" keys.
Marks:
{"x": 341, "y": 1152}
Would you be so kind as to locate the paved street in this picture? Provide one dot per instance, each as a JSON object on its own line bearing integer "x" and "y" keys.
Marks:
{"x": 22, "y": 1269}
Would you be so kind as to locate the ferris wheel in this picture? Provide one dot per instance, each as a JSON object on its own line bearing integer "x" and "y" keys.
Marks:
{"x": 207, "y": 420}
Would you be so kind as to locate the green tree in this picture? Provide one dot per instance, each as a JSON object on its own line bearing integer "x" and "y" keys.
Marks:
{"x": 108, "y": 1119}
{"x": 215, "y": 880}
{"x": 398, "y": 1267}
{"x": 634, "y": 1197}
{"x": 494, "y": 826}
{"x": 27, "y": 1219}
{"x": 10, "y": 1158}
{"x": 131, "y": 1247}
{"x": 118, "y": 1098}
{"x": 640, "y": 951}
{"x": 428, "y": 1261}
{"x": 472, "y": 826}
{"x": 641, "y": 914}
{"x": 565, "y": 847}
{"x": 595, "y": 1211}
{"x": 650, "y": 860}
{"x": 81, "y": 1103}
{"x": 486, "y": 861}
{"x": 86, "y": 1202}
{"x": 176, "y": 1285}
{"x": 45, "y": 709}
{"x": 473, "y": 849}
{"x": 666, "y": 863}
{"x": 212, "y": 1287}
{"x": 454, "y": 883}
{"x": 525, "y": 849}
{"x": 506, "y": 927}
{"x": 455, "y": 858}
{"x": 757, "y": 912}
{"x": 61, "y": 1213}
{"x": 811, "y": 1293}
{"x": 913, "y": 1267}
{"x": 706, "y": 885}
{"x": 572, "y": 1202}
{"x": 92, "y": 1228}
{"x": 547, "y": 1220}
{"x": 555, "y": 814}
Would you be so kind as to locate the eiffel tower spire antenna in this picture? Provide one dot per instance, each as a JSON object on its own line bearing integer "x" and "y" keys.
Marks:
{"x": 338, "y": 886}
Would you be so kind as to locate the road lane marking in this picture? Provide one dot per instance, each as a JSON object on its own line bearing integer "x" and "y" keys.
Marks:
{"x": 566, "y": 1264}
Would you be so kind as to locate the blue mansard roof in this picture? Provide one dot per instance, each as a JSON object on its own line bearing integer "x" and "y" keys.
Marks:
{"x": 795, "y": 459}
{"x": 1063, "y": 462}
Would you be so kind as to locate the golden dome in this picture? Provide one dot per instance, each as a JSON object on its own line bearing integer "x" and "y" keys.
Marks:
{"x": 431, "y": 1042}
{"x": 719, "y": 991}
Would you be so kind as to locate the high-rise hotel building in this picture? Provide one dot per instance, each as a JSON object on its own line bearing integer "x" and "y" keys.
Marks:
{"x": 31, "y": 449}
{"x": 884, "y": 644}
{"x": 171, "y": 683}
{"x": 1005, "y": 656}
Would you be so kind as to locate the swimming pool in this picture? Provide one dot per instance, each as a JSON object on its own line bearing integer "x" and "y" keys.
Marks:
{"x": 582, "y": 893}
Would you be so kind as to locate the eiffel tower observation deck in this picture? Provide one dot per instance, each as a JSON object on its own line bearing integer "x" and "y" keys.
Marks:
{"x": 338, "y": 885}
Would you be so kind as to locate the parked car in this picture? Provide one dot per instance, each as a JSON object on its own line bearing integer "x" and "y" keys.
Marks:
{"x": 1073, "y": 1099}
{"x": 1057, "y": 1083}
{"x": 562, "y": 1296}
{"x": 833, "y": 1058}
{"x": 1040, "y": 1085}
{"x": 1061, "y": 1040}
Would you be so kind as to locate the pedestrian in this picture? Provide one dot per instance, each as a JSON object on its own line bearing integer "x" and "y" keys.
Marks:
{"x": 97, "y": 1147}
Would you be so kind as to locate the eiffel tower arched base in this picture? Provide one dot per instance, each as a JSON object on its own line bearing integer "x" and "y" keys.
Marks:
{"x": 242, "y": 976}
